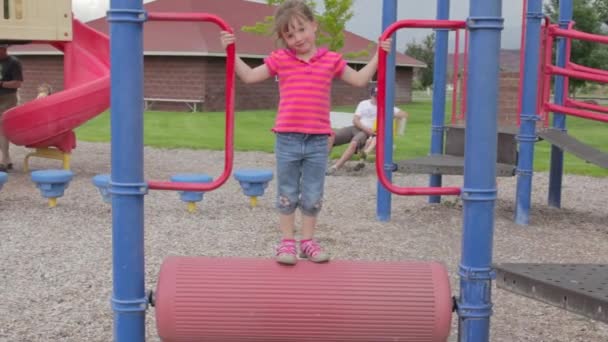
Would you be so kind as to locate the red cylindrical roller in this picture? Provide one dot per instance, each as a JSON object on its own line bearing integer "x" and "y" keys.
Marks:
{"x": 234, "y": 299}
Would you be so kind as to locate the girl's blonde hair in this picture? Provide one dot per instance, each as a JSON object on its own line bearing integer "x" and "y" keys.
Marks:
{"x": 287, "y": 11}
{"x": 44, "y": 89}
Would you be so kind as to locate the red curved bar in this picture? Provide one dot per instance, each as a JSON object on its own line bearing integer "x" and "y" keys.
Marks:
{"x": 589, "y": 106}
{"x": 380, "y": 148}
{"x": 574, "y": 34}
{"x": 229, "y": 140}
{"x": 552, "y": 69}
{"x": 197, "y": 17}
{"x": 428, "y": 24}
{"x": 572, "y": 111}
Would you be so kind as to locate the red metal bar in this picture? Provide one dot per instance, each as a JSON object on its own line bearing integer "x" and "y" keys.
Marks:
{"x": 465, "y": 72}
{"x": 568, "y": 56}
{"x": 229, "y": 140}
{"x": 541, "y": 75}
{"x": 582, "y": 68}
{"x": 428, "y": 24}
{"x": 455, "y": 69}
{"x": 576, "y": 112}
{"x": 380, "y": 148}
{"x": 574, "y": 34}
{"x": 552, "y": 69}
{"x": 546, "y": 96}
{"x": 589, "y": 106}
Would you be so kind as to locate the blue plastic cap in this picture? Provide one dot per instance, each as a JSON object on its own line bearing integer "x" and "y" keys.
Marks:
{"x": 52, "y": 183}
{"x": 3, "y": 179}
{"x": 191, "y": 196}
{"x": 52, "y": 176}
{"x": 101, "y": 181}
{"x": 253, "y": 175}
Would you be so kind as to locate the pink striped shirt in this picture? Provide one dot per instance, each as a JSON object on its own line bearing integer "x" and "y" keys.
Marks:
{"x": 305, "y": 89}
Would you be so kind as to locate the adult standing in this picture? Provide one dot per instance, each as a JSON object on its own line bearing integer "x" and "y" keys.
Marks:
{"x": 12, "y": 78}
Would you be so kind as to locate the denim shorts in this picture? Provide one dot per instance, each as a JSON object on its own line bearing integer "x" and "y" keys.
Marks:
{"x": 301, "y": 164}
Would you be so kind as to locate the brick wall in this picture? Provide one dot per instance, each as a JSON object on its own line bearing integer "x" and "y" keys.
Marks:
{"x": 174, "y": 78}
{"x": 508, "y": 100}
{"x": 265, "y": 95}
{"x": 184, "y": 77}
{"x": 403, "y": 86}
{"x": 40, "y": 69}
{"x": 262, "y": 95}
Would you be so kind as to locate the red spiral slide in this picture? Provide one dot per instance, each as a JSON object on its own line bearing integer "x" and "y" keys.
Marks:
{"x": 49, "y": 121}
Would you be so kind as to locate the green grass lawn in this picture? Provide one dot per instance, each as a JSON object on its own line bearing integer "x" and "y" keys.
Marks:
{"x": 252, "y": 133}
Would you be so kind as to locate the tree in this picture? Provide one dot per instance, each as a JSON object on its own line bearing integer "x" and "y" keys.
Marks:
{"x": 588, "y": 15}
{"x": 332, "y": 23}
{"x": 424, "y": 52}
{"x": 601, "y": 7}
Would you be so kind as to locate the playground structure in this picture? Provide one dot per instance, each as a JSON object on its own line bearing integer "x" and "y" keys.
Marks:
{"x": 102, "y": 182}
{"x": 550, "y": 283}
{"x": 572, "y": 287}
{"x": 3, "y": 178}
{"x": 536, "y": 104}
{"x": 127, "y": 188}
{"x": 253, "y": 182}
{"x": 52, "y": 183}
{"x": 517, "y": 134}
{"x": 46, "y": 124}
{"x": 36, "y": 21}
{"x": 191, "y": 197}
{"x": 447, "y": 152}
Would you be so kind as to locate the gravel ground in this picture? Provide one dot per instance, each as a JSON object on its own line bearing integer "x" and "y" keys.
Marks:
{"x": 55, "y": 264}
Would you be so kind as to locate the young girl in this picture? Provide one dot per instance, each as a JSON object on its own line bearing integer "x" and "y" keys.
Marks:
{"x": 302, "y": 125}
{"x": 44, "y": 90}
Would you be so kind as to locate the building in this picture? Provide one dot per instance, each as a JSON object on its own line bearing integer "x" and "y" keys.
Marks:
{"x": 185, "y": 61}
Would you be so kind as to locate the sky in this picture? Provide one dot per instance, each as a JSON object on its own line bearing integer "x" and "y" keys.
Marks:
{"x": 367, "y": 20}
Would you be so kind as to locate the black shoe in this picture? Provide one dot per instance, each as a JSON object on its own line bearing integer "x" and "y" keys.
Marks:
{"x": 5, "y": 168}
{"x": 360, "y": 166}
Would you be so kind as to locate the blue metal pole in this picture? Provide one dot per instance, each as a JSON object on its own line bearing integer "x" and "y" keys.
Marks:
{"x": 383, "y": 206}
{"x": 440, "y": 69}
{"x": 485, "y": 23}
{"x": 529, "y": 117}
{"x": 559, "y": 119}
{"x": 127, "y": 186}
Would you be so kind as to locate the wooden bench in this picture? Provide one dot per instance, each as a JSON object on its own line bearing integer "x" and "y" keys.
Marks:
{"x": 192, "y": 104}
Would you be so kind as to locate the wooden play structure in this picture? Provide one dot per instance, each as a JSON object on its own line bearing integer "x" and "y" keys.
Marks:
{"x": 35, "y": 20}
